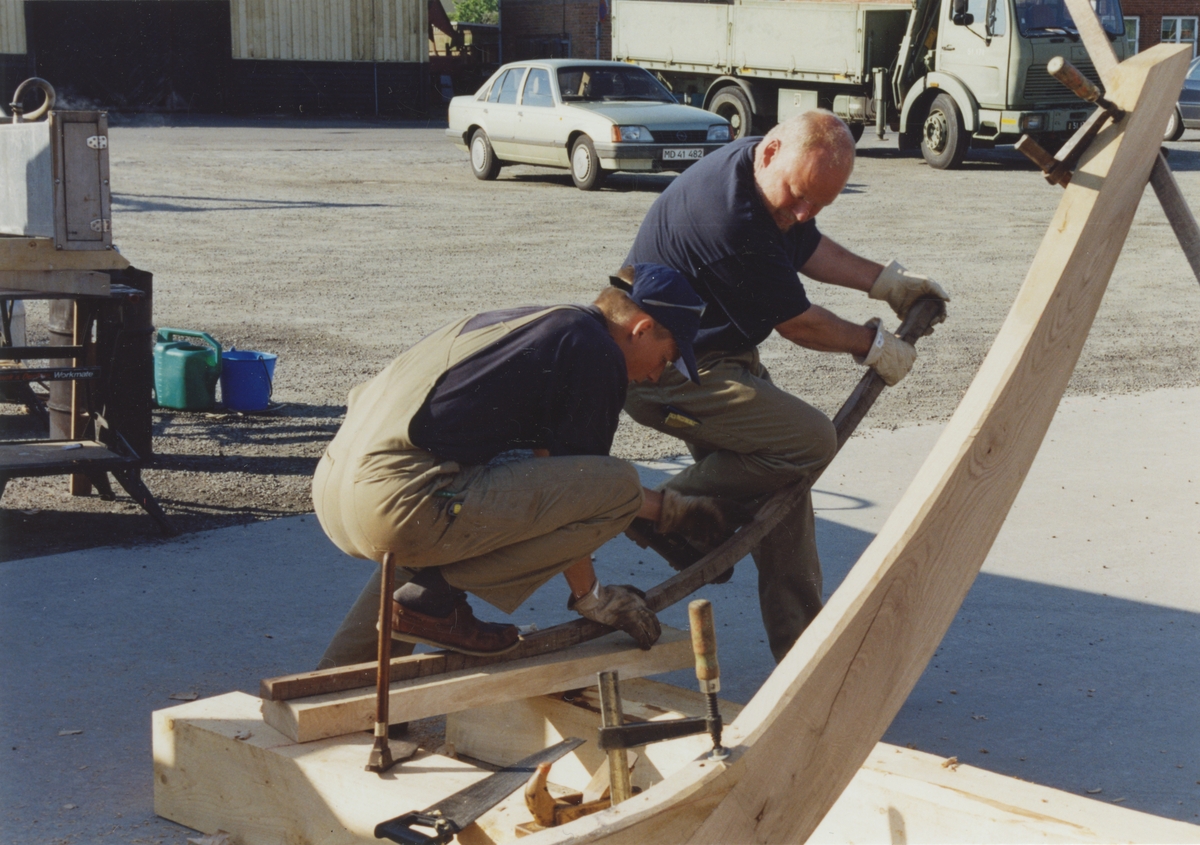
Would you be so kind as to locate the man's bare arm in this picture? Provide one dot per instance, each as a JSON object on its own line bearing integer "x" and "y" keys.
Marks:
{"x": 833, "y": 264}
{"x": 823, "y": 331}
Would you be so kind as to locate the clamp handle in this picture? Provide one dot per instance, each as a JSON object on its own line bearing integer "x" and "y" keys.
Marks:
{"x": 704, "y": 645}
{"x": 1070, "y": 76}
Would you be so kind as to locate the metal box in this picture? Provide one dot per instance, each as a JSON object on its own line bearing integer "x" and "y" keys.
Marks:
{"x": 54, "y": 180}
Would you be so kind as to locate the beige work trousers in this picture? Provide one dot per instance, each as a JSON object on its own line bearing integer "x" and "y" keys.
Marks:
{"x": 498, "y": 532}
{"x": 751, "y": 440}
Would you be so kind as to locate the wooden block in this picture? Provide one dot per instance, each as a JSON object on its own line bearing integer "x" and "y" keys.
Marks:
{"x": 900, "y": 795}
{"x": 1095, "y": 39}
{"x": 265, "y": 790}
{"x": 805, "y": 734}
{"x": 81, "y": 282}
{"x": 502, "y": 734}
{"x": 321, "y": 716}
{"x": 40, "y": 254}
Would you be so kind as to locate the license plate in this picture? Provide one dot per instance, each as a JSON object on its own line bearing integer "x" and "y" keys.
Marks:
{"x": 683, "y": 153}
{"x": 1072, "y": 125}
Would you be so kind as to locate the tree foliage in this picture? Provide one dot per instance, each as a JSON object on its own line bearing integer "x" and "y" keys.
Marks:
{"x": 477, "y": 11}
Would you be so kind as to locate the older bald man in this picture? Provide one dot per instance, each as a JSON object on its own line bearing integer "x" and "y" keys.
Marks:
{"x": 740, "y": 225}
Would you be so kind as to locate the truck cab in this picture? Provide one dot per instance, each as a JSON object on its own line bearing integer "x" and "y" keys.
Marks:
{"x": 974, "y": 74}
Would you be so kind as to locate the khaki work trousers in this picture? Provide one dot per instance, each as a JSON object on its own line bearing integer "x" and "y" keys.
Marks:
{"x": 751, "y": 440}
{"x": 498, "y": 532}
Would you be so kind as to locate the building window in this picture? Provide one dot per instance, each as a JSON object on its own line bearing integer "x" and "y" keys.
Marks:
{"x": 1133, "y": 28}
{"x": 1179, "y": 30}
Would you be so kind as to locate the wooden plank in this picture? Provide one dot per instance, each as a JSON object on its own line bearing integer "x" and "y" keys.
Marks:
{"x": 318, "y": 717}
{"x": 79, "y": 282}
{"x": 1183, "y": 223}
{"x": 29, "y": 459}
{"x": 1095, "y": 39}
{"x": 40, "y": 254}
{"x": 264, "y": 789}
{"x": 809, "y": 728}
{"x": 901, "y": 795}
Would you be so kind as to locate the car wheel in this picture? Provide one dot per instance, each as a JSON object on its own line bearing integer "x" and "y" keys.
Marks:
{"x": 732, "y": 104}
{"x": 1174, "y": 126}
{"x": 586, "y": 172}
{"x": 943, "y": 137}
{"x": 484, "y": 163}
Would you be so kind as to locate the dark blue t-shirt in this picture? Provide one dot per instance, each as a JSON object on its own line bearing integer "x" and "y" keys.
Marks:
{"x": 711, "y": 225}
{"x": 557, "y": 383}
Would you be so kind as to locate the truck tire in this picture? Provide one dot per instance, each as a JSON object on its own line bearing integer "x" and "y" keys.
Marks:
{"x": 484, "y": 163}
{"x": 732, "y": 104}
{"x": 586, "y": 172}
{"x": 943, "y": 137}
{"x": 856, "y": 130}
{"x": 1174, "y": 126}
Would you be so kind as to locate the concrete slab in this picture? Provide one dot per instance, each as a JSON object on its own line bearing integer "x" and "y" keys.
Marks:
{"x": 1072, "y": 662}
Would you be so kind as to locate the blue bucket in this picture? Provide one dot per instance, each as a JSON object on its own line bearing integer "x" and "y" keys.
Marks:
{"x": 246, "y": 379}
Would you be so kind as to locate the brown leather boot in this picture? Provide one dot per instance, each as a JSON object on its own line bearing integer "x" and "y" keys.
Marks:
{"x": 460, "y": 631}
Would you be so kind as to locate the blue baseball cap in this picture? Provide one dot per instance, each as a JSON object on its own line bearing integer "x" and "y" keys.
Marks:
{"x": 667, "y": 296}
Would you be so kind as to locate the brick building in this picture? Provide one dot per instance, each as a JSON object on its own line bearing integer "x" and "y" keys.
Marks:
{"x": 1148, "y": 22}
{"x": 553, "y": 29}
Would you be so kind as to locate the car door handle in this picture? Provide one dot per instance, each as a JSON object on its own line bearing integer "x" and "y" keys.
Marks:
{"x": 949, "y": 48}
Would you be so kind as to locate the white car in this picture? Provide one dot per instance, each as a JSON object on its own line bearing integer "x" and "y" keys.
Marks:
{"x": 592, "y": 117}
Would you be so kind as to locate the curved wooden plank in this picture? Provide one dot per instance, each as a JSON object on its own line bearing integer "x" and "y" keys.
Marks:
{"x": 808, "y": 730}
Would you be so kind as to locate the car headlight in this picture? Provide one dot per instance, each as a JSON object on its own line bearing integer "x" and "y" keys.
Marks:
{"x": 719, "y": 132}
{"x": 1033, "y": 122}
{"x": 631, "y": 133}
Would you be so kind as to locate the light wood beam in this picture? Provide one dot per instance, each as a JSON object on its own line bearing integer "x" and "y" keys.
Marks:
{"x": 321, "y": 716}
{"x": 1095, "y": 39}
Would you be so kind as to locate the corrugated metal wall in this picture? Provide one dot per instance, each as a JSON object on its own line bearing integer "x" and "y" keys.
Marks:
{"x": 12, "y": 26}
{"x": 330, "y": 30}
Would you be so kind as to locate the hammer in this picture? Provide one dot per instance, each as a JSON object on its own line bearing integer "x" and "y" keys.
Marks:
{"x": 381, "y": 753}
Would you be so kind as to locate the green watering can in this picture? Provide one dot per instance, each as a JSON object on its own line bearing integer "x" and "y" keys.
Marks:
{"x": 185, "y": 375}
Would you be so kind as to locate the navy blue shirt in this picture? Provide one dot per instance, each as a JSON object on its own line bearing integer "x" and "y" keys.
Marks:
{"x": 711, "y": 225}
{"x": 557, "y": 383}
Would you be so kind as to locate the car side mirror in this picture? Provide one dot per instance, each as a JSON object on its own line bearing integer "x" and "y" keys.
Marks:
{"x": 959, "y": 14}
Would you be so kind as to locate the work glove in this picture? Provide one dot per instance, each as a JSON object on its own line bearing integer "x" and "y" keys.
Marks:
{"x": 621, "y": 606}
{"x": 889, "y": 356}
{"x": 901, "y": 289}
{"x": 704, "y": 519}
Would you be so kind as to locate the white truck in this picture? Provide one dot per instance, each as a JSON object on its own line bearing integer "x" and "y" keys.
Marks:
{"x": 945, "y": 75}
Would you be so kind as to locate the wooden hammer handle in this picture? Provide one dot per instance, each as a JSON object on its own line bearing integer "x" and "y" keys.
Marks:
{"x": 1069, "y": 75}
{"x": 704, "y": 645}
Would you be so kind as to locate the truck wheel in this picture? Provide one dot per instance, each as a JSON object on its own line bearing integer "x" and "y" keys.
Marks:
{"x": 856, "y": 131}
{"x": 586, "y": 172}
{"x": 943, "y": 138}
{"x": 1174, "y": 126}
{"x": 733, "y": 105}
{"x": 484, "y": 163}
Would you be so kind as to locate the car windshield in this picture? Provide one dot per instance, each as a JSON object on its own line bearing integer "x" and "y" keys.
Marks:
{"x": 606, "y": 84}
{"x": 1050, "y": 17}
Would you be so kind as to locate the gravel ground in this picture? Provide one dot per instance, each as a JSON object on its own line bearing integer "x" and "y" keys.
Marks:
{"x": 338, "y": 244}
